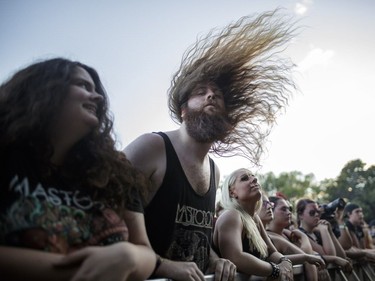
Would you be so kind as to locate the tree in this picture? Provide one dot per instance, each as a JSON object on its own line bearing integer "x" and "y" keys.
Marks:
{"x": 356, "y": 184}
{"x": 294, "y": 185}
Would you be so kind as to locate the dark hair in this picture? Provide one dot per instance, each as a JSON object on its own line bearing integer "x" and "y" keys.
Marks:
{"x": 301, "y": 206}
{"x": 29, "y": 103}
{"x": 274, "y": 200}
{"x": 243, "y": 61}
{"x": 349, "y": 208}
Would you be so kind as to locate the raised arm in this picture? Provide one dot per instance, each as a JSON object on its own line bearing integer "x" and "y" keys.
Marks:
{"x": 328, "y": 248}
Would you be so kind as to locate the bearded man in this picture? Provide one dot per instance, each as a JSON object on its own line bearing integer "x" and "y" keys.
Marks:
{"x": 229, "y": 87}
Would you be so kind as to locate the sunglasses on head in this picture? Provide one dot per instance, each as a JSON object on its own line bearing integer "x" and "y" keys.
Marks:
{"x": 312, "y": 213}
{"x": 268, "y": 203}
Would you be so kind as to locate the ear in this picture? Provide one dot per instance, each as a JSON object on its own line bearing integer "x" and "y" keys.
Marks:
{"x": 232, "y": 193}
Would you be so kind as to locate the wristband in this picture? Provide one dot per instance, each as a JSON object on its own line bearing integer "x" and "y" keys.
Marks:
{"x": 285, "y": 259}
{"x": 275, "y": 270}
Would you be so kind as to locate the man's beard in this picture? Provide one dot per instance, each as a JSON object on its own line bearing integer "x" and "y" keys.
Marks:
{"x": 206, "y": 128}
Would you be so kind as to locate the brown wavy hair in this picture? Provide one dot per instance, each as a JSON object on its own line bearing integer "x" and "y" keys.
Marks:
{"x": 244, "y": 60}
{"x": 29, "y": 102}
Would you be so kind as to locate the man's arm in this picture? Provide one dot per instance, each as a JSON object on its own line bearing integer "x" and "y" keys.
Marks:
{"x": 138, "y": 236}
{"x": 147, "y": 153}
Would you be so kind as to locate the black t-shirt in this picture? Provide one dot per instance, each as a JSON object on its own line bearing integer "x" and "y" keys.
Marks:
{"x": 55, "y": 215}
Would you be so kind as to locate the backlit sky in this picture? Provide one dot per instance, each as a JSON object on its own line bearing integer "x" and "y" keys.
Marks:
{"x": 136, "y": 46}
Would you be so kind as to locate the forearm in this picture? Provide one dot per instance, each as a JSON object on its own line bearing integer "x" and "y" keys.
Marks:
{"x": 345, "y": 239}
{"x": 355, "y": 253}
{"x": 26, "y": 264}
{"x": 249, "y": 264}
{"x": 275, "y": 257}
{"x": 339, "y": 249}
{"x": 306, "y": 245}
{"x": 145, "y": 261}
{"x": 297, "y": 258}
{"x": 328, "y": 246}
{"x": 213, "y": 256}
{"x": 311, "y": 272}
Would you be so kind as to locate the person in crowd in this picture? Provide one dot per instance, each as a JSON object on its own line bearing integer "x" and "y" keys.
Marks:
{"x": 70, "y": 205}
{"x": 320, "y": 234}
{"x": 372, "y": 231}
{"x": 331, "y": 212}
{"x": 276, "y": 214}
{"x": 239, "y": 234}
{"x": 229, "y": 87}
{"x": 352, "y": 235}
{"x": 354, "y": 222}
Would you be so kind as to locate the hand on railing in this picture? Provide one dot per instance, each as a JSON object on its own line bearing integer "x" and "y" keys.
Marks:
{"x": 223, "y": 269}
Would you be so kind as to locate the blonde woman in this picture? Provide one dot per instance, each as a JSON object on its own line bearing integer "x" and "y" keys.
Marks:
{"x": 239, "y": 234}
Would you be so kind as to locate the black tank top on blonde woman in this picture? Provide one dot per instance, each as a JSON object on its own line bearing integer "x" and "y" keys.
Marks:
{"x": 178, "y": 220}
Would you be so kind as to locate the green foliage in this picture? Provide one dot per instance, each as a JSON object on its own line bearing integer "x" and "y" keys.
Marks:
{"x": 293, "y": 184}
{"x": 355, "y": 183}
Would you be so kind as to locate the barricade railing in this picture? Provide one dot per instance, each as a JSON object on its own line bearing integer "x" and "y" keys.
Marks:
{"x": 361, "y": 272}
{"x": 364, "y": 271}
{"x": 297, "y": 272}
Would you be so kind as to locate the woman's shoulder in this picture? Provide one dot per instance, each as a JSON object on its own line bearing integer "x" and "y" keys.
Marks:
{"x": 228, "y": 215}
{"x": 229, "y": 220}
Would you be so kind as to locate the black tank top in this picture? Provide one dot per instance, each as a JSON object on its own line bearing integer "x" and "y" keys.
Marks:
{"x": 178, "y": 220}
{"x": 245, "y": 247}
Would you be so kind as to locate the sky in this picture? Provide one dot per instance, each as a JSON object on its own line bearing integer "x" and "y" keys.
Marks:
{"x": 136, "y": 46}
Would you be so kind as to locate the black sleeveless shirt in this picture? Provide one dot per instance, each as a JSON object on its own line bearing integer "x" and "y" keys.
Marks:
{"x": 179, "y": 221}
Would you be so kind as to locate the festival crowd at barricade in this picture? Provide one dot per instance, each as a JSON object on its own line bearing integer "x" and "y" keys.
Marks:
{"x": 326, "y": 239}
{"x": 74, "y": 207}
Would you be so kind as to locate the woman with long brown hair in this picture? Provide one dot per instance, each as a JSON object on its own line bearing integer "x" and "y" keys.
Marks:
{"x": 64, "y": 188}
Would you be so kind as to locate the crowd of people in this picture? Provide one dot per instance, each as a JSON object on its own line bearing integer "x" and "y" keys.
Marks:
{"x": 251, "y": 227}
{"x": 74, "y": 207}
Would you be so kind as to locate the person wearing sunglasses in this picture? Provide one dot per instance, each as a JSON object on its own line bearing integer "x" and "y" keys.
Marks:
{"x": 239, "y": 234}
{"x": 320, "y": 234}
{"x": 293, "y": 244}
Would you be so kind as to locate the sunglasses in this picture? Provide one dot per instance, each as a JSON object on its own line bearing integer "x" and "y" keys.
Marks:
{"x": 268, "y": 203}
{"x": 286, "y": 208}
{"x": 312, "y": 213}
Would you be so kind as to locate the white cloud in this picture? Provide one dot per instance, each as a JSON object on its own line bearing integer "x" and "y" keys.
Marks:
{"x": 316, "y": 57}
{"x": 302, "y": 7}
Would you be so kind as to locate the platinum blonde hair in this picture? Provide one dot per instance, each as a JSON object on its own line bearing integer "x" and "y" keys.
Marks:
{"x": 249, "y": 225}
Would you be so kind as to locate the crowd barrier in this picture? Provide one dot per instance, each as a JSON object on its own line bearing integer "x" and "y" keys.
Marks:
{"x": 361, "y": 272}
{"x": 364, "y": 271}
{"x": 297, "y": 271}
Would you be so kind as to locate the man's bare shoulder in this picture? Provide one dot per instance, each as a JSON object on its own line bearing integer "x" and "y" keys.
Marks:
{"x": 144, "y": 143}
{"x": 147, "y": 153}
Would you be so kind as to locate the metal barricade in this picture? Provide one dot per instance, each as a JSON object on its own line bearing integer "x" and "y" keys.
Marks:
{"x": 364, "y": 271}
{"x": 360, "y": 272}
{"x": 297, "y": 272}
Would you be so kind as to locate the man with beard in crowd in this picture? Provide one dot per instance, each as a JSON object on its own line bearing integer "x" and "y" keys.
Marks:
{"x": 228, "y": 89}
